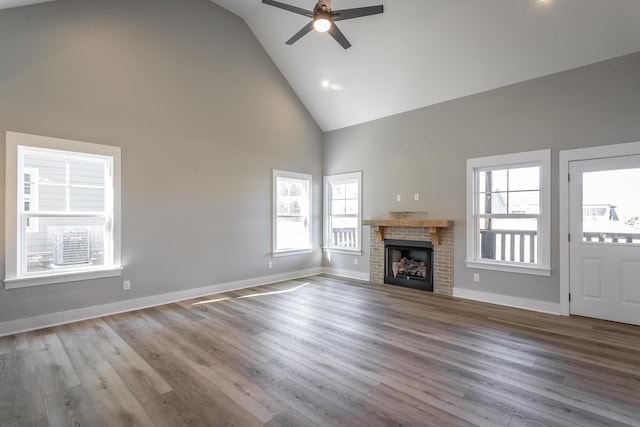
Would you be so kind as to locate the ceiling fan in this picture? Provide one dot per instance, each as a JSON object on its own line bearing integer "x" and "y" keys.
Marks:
{"x": 323, "y": 18}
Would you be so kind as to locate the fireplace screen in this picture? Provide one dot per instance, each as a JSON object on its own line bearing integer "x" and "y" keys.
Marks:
{"x": 409, "y": 263}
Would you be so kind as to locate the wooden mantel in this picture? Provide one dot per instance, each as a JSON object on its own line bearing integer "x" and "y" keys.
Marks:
{"x": 434, "y": 226}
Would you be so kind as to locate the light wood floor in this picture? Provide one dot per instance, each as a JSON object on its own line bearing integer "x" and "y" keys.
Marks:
{"x": 323, "y": 351}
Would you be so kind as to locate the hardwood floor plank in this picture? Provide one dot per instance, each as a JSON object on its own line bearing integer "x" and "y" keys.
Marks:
{"x": 239, "y": 389}
{"x": 20, "y": 396}
{"x": 170, "y": 410}
{"x": 530, "y": 408}
{"x": 203, "y": 397}
{"x": 313, "y": 406}
{"x": 117, "y": 405}
{"x": 291, "y": 418}
{"x": 143, "y": 381}
{"x": 53, "y": 367}
{"x": 71, "y": 407}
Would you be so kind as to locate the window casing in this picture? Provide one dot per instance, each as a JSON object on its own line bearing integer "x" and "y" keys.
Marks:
{"x": 343, "y": 212}
{"x": 291, "y": 213}
{"x": 508, "y": 212}
{"x": 63, "y": 211}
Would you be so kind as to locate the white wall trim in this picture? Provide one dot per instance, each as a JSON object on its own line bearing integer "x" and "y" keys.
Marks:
{"x": 509, "y": 301}
{"x": 567, "y": 156}
{"x": 349, "y": 274}
{"x": 69, "y": 316}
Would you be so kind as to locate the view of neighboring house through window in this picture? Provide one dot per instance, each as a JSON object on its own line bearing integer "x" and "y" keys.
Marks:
{"x": 509, "y": 212}
{"x": 342, "y": 211}
{"x": 30, "y": 197}
{"x": 65, "y": 214}
{"x": 292, "y": 213}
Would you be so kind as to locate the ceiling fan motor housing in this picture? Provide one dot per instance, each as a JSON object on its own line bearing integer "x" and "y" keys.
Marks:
{"x": 323, "y": 18}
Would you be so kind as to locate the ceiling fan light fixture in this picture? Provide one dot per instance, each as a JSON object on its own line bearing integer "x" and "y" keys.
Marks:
{"x": 321, "y": 24}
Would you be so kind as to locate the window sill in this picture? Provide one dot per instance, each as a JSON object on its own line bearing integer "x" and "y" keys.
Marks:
{"x": 510, "y": 268}
{"x": 68, "y": 276}
{"x": 291, "y": 252}
{"x": 343, "y": 251}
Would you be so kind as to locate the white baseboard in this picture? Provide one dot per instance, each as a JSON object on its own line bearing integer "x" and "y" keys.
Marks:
{"x": 516, "y": 302}
{"x": 59, "y": 318}
{"x": 349, "y": 274}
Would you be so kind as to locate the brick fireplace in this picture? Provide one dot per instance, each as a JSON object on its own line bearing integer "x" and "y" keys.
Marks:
{"x": 440, "y": 233}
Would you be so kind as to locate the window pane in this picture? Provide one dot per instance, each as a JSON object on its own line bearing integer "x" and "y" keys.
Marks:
{"x": 611, "y": 206}
{"x": 338, "y": 207}
{"x": 352, "y": 190}
{"x": 292, "y": 233}
{"x": 524, "y": 179}
{"x": 86, "y": 173}
{"x": 294, "y": 207}
{"x": 352, "y": 207}
{"x": 496, "y": 201}
{"x": 63, "y": 243}
{"x": 512, "y": 240}
{"x": 338, "y": 191}
{"x": 53, "y": 198}
{"x": 292, "y": 217}
{"x": 494, "y": 180}
{"x": 524, "y": 202}
{"x": 86, "y": 199}
{"x": 51, "y": 169}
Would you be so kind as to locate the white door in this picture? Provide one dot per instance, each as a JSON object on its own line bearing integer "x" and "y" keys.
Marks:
{"x": 604, "y": 248}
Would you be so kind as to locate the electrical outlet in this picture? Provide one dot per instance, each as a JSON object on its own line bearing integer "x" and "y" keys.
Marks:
{"x": 126, "y": 285}
{"x": 398, "y": 197}
{"x": 355, "y": 261}
{"x": 270, "y": 264}
{"x": 476, "y": 277}
{"x": 416, "y": 197}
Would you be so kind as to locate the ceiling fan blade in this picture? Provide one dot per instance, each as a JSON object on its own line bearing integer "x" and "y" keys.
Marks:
{"x": 341, "y": 15}
{"x": 288, "y": 7}
{"x": 340, "y": 38}
{"x": 300, "y": 33}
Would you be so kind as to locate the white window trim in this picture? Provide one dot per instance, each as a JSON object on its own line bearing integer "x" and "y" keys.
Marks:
{"x": 327, "y": 181}
{"x": 539, "y": 157}
{"x": 12, "y": 277}
{"x": 275, "y": 252}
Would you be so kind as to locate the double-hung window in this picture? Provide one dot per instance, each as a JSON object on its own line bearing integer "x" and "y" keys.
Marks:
{"x": 508, "y": 210}
{"x": 62, "y": 210}
{"x": 342, "y": 212}
{"x": 291, "y": 213}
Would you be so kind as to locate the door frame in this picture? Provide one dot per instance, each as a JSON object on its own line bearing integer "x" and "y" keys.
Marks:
{"x": 567, "y": 156}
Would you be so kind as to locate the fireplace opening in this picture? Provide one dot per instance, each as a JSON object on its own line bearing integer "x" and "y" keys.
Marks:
{"x": 408, "y": 263}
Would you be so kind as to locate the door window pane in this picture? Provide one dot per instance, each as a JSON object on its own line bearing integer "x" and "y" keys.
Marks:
{"x": 611, "y": 206}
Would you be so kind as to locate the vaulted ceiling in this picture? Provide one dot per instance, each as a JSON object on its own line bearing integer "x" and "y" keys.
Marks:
{"x": 422, "y": 52}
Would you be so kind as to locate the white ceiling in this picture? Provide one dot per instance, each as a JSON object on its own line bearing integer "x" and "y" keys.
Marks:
{"x": 422, "y": 52}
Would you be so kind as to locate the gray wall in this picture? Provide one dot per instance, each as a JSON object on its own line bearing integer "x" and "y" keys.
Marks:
{"x": 202, "y": 115}
{"x": 425, "y": 151}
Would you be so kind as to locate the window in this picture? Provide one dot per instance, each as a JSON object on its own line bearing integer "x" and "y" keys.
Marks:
{"x": 508, "y": 210}
{"x": 63, "y": 204}
{"x": 342, "y": 212}
{"x": 292, "y": 213}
